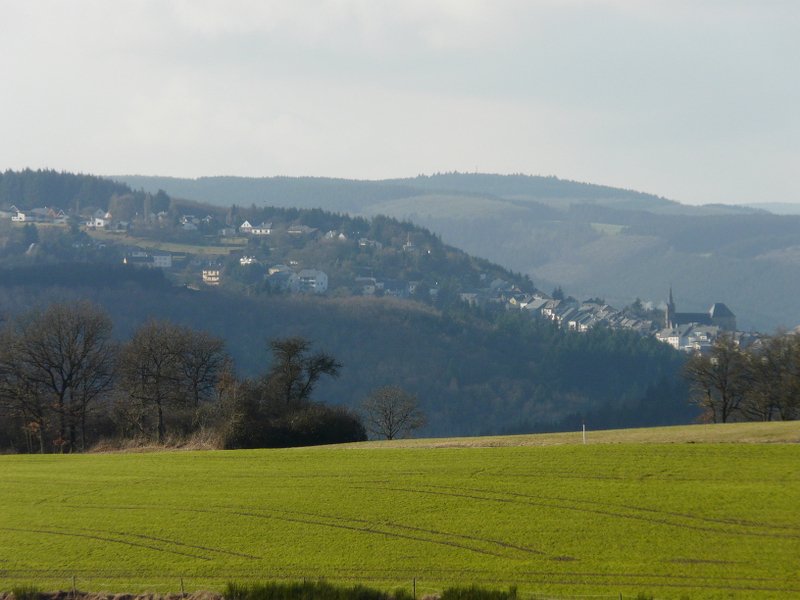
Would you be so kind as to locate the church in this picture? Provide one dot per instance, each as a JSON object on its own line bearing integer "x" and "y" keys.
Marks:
{"x": 718, "y": 315}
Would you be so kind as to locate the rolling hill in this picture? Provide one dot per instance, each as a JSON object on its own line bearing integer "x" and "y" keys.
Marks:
{"x": 592, "y": 240}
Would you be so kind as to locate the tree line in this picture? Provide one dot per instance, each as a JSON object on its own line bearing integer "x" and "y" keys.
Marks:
{"x": 761, "y": 383}
{"x": 45, "y": 187}
{"x": 66, "y": 383}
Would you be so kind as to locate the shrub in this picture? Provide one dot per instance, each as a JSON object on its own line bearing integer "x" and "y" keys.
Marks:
{"x": 318, "y": 590}
{"x": 26, "y": 592}
{"x": 476, "y": 593}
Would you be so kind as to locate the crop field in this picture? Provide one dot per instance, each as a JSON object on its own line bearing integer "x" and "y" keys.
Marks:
{"x": 675, "y": 520}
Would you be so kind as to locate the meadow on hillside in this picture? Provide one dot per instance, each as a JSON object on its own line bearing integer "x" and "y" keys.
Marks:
{"x": 690, "y": 520}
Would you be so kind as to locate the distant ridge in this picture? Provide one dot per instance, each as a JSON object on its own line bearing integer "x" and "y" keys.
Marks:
{"x": 592, "y": 240}
{"x": 352, "y": 194}
{"x": 357, "y": 196}
{"x": 777, "y": 208}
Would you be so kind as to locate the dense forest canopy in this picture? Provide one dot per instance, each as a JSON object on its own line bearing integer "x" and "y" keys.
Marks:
{"x": 287, "y": 192}
{"x": 30, "y": 189}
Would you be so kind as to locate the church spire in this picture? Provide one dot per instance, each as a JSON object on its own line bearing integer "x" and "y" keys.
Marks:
{"x": 670, "y": 311}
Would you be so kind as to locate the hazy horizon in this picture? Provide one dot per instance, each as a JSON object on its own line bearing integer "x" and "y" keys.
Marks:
{"x": 692, "y": 101}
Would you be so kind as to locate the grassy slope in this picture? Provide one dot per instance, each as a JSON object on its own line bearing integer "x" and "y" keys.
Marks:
{"x": 747, "y": 433}
{"x": 702, "y": 519}
{"x": 237, "y": 244}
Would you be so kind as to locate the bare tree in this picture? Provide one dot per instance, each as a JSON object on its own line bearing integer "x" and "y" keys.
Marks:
{"x": 20, "y": 400}
{"x": 767, "y": 378}
{"x": 719, "y": 380}
{"x": 391, "y": 412}
{"x": 295, "y": 371}
{"x": 149, "y": 375}
{"x": 202, "y": 361}
{"x": 774, "y": 390}
{"x": 166, "y": 367}
{"x": 61, "y": 358}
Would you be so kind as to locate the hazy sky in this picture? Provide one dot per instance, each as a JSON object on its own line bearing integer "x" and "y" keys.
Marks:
{"x": 695, "y": 100}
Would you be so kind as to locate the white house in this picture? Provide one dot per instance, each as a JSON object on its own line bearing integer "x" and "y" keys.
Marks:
{"x": 59, "y": 217}
{"x": 335, "y": 236}
{"x": 278, "y": 268}
{"x": 368, "y": 243}
{"x": 677, "y": 337}
{"x": 145, "y": 259}
{"x": 313, "y": 281}
{"x": 211, "y": 276}
{"x": 97, "y": 222}
{"x": 99, "y": 219}
{"x": 162, "y": 261}
{"x": 263, "y": 229}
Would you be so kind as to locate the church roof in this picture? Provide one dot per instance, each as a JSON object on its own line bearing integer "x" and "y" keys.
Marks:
{"x": 718, "y": 310}
{"x": 686, "y": 318}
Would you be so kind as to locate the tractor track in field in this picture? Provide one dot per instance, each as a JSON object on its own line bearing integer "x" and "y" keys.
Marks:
{"x": 570, "y": 475}
{"x": 177, "y": 543}
{"x": 554, "y": 577}
{"x": 534, "y": 501}
{"x": 126, "y": 534}
{"x": 718, "y": 521}
{"x": 306, "y": 521}
{"x": 470, "y": 538}
{"x": 370, "y": 530}
{"x": 103, "y": 539}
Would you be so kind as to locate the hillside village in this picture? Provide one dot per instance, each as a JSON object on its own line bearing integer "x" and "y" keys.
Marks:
{"x": 292, "y": 257}
{"x": 687, "y": 332}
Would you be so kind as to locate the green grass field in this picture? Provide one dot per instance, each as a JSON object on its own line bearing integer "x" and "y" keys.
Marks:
{"x": 608, "y": 228}
{"x": 696, "y": 520}
{"x": 175, "y": 247}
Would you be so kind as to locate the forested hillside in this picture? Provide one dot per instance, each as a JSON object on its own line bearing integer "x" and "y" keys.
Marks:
{"x": 592, "y": 240}
{"x": 338, "y": 195}
{"x": 471, "y": 375}
{"x": 67, "y": 191}
{"x": 475, "y": 369}
{"x": 355, "y": 196}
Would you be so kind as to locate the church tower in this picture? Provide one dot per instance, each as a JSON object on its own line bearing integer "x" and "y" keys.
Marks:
{"x": 669, "y": 313}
